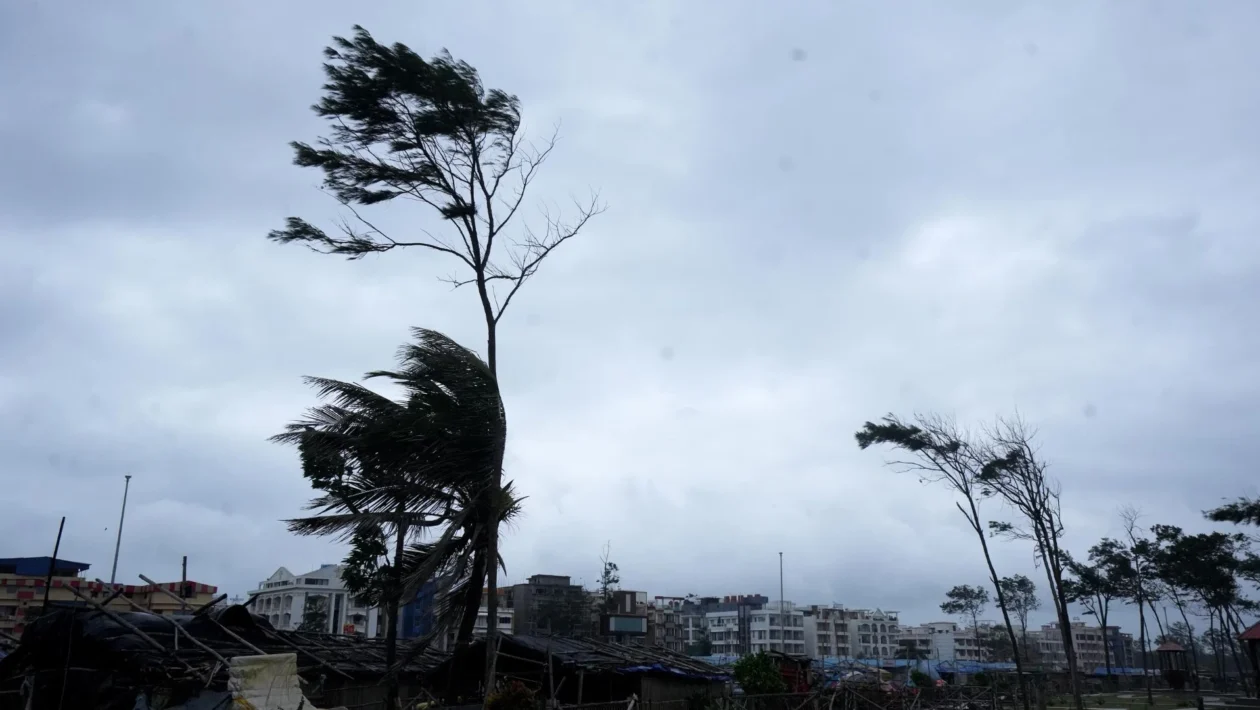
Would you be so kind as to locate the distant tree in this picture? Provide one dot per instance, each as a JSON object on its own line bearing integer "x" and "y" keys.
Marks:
{"x": 759, "y": 674}
{"x": 702, "y": 647}
{"x": 968, "y": 602}
{"x": 998, "y": 648}
{"x": 609, "y": 579}
{"x": 430, "y": 133}
{"x": 1020, "y": 596}
{"x": 314, "y": 614}
{"x": 939, "y": 451}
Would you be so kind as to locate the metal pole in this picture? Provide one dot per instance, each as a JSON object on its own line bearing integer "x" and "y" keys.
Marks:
{"x": 113, "y": 573}
{"x": 782, "y": 619}
{"x": 53, "y": 564}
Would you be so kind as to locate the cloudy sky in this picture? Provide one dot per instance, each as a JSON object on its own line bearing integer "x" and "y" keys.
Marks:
{"x": 818, "y": 213}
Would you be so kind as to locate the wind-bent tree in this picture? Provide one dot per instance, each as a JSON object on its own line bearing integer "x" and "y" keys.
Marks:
{"x": 1244, "y": 511}
{"x": 1018, "y": 475}
{"x": 1206, "y": 568}
{"x": 968, "y": 602}
{"x": 1097, "y": 583}
{"x": 429, "y": 133}
{"x": 942, "y": 453}
{"x": 1019, "y": 594}
{"x": 391, "y": 470}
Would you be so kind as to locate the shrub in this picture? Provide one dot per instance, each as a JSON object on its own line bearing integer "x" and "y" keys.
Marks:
{"x": 758, "y": 674}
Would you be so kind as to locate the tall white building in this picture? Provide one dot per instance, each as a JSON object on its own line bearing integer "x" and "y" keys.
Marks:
{"x": 286, "y": 599}
{"x": 935, "y": 641}
{"x": 851, "y": 633}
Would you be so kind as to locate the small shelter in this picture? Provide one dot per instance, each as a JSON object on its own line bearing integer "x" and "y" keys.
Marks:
{"x": 796, "y": 671}
{"x": 575, "y": 671}
{"x": 1251, "y": 642}
{"x": 1172, "y": 664}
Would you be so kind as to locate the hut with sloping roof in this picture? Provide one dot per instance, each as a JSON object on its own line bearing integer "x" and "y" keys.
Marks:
{"x": 1250, "y": 640}
{"x": 575, "y": 671}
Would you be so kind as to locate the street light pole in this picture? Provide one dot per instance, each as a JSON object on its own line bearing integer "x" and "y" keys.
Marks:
{"x": 782, "y": 618}
{"x": 122, "y": 516}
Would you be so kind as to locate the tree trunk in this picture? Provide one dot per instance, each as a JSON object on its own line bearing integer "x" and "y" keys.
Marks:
{"x": 1229, "y": 635}
{"x": 492, "y": 541}
{"x": 1146, "y": 675}
{"x": 1194, "y": 644}
{"x": 471, "y": 602}
{"x": 1054, "y": 576}
{"x": 391, "y": 614}
{"x": 1102, "y": 617}
{"x": 1159, "y": 624}
{"x": 1216, "y": 647}
{"x": 974, "y": 519}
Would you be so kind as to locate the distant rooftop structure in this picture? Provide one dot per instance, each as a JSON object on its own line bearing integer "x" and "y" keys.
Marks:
{"x": 38, "y": 566}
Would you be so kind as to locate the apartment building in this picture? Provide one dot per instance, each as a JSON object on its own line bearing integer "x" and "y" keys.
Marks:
{"x": 735, "y": 630}
{"x": 24, "y": 580}
{"x": 935, "y": 641}
{"x": 317, "y": 601}
{"x": 1087, "y": 640}
{"x": 551, "y": 603}
{"x": 777, "y": 626}
{"x": 663, "y": 623}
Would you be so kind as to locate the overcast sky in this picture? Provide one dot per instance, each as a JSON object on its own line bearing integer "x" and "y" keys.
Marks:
{"x": 819, "y": 212}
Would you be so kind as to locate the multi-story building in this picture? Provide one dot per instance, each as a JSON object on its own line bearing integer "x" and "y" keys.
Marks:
{"x": 23, "y": 582}
{"x": 664, "y": 616}
{"x": 317, "y": 601}
{"x": 935, "y": 641}
{"x": 1124, "y": 649}
{"x": 735, "y": 630}
{"x": 1087, "y": 640}
{"x": 551, "y": 603}
{"x": 777, "y": 626}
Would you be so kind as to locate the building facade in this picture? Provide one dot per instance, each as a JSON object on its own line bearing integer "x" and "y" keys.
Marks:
{"x": 551, "y": 603}
{"x": 1086, "y": 640}
{"x": 24, "y": 580}
{"x": 934, "y": 641}
{"x": 777, "y": 626}
{"x": 316, "y": 601}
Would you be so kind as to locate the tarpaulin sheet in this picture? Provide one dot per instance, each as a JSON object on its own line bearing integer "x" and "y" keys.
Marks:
{"x": 266, "y": 683}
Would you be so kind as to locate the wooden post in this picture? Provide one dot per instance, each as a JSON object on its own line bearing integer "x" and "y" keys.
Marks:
{"x": 52, "y": 565}
{"x": 581, "y": 678}
{"x": 551, "y": 677}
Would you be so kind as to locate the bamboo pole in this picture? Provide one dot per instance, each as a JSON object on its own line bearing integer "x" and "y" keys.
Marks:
{"x": 131, "y": 627}
{"x": 178, "y": 629}
{"x": 157, "y": 587}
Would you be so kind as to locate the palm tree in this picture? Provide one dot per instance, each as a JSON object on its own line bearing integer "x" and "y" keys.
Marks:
{"x": 411, "y": 482}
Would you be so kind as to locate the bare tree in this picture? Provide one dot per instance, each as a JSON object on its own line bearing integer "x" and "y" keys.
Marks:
{"x": 943, "y": 453}
{"x": 1140, "y": 553}
{"x": 430, "y": 133}
{"x": 1018, "y": 475}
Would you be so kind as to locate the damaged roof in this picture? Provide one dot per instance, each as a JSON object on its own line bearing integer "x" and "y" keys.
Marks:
{"x": 593, "y": 655}
{"x": 158, "y": 649}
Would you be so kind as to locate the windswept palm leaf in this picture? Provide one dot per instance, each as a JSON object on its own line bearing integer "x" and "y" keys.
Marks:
{"x": 424, "y": 466}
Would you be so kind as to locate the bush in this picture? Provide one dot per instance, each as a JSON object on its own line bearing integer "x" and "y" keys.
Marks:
{"x": 920, "y": 679}
{"x": 758, "y": 674}
{"x": 514, "y": 696}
